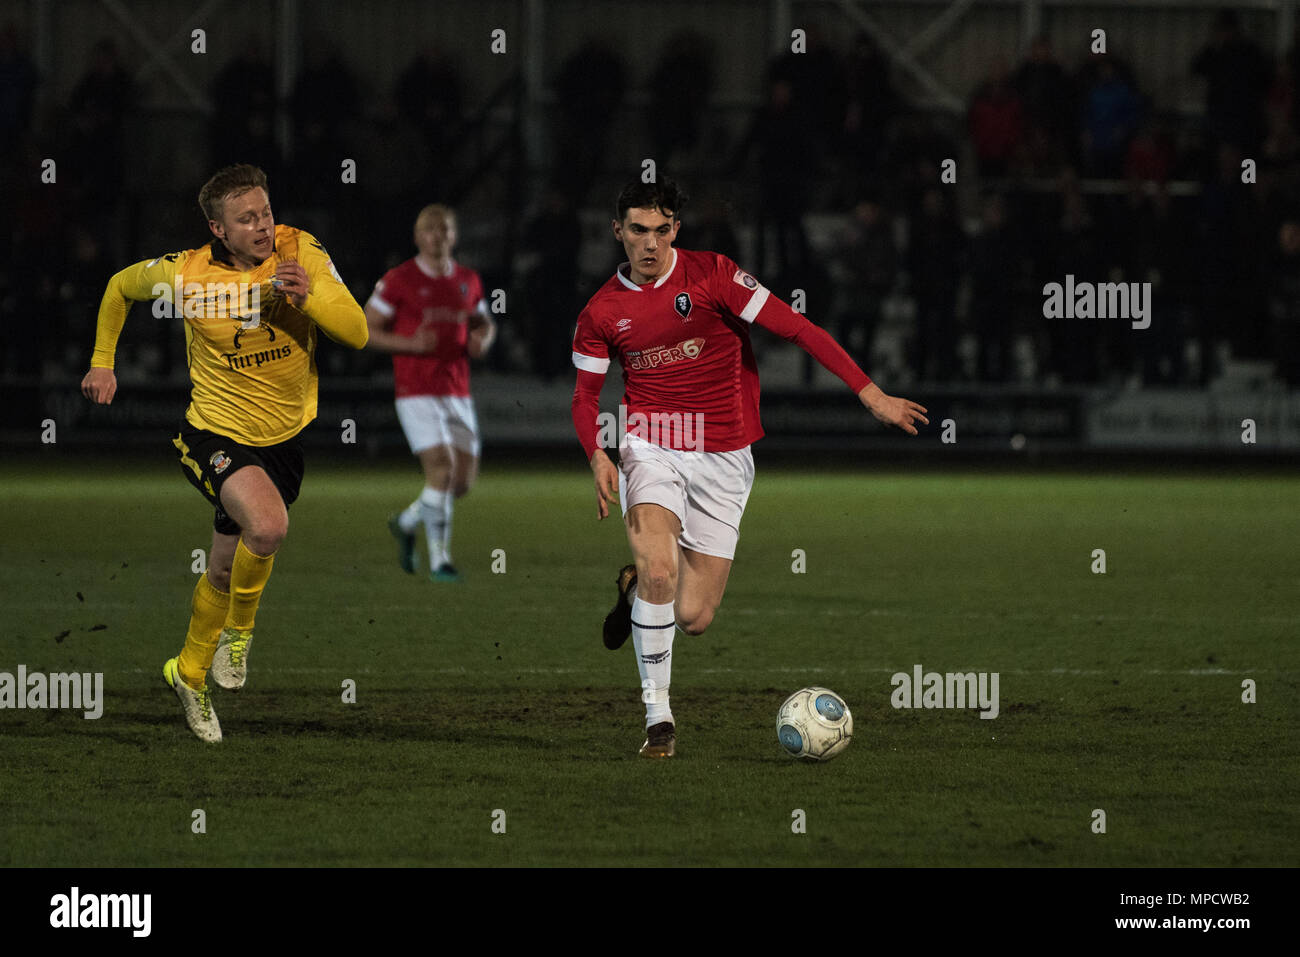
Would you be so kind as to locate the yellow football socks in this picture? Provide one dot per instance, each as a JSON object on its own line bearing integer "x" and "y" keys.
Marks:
{"x": 248, "y": 575}
{"x": 206, "y": 620}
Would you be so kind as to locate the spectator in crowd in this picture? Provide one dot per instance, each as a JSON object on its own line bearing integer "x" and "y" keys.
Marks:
{"x": 1112, "y": 110}
{"x": 680, "y": 90}
{"x": 935, "y": 260}
{"x": 869, "y": 262}
{"x": 1047, "y": 97}
{"x": 1227, "y": 251}
{"x": 244, "y": 110}
{"x": 1150, "y": 155}
{"x": 589, "y": 89}
{"x": 326, "y": 96}
{"x": 552, "y": 240}
{"x": 996, "y": 122}
{"x": 1284, "y": 302}
{"x": 1152, "y": 244}
{"x": 1073, "y": 344}
{"x": 17, "y": 90}
{"x": 870, "y": 109}
{"x": 429, "y": 96}
{"x": 783, "y": 137}
{"x": 817, "y": 90}
{"x": 996, "y": 273}
{"x": 97, "y": 110}
{"x": 1237, "y": 76}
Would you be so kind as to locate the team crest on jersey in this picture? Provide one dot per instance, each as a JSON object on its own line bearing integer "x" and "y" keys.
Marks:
{"x": 742, "y": 278}
{"x": 254, "y": 323}
{"x": 220, "y": 461}
{"x": 683, "y": 305}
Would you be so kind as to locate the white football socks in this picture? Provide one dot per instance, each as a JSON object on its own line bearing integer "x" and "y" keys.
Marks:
{"x": 410, "y": 518}
{"x": 652, "y": 637}
{"x": 435, "y": 512}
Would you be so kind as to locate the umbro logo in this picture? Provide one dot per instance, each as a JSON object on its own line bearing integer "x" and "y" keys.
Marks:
{"x": 659, "y": 657}
{"x": 624, "y": 323}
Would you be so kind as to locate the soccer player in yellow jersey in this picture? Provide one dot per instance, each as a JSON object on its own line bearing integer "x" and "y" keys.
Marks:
{"x": 252, "y": 300}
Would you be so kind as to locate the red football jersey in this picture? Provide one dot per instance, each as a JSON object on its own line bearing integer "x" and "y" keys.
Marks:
{"x": 412, "y": 295}
{"x": 683, "y": 342}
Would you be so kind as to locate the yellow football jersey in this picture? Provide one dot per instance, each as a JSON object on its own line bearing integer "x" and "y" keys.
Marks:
{"x": 251, "y": 352}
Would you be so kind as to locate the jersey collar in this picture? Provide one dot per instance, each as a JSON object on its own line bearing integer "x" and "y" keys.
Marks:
{"x": 430, "y": 273}
{"x": 219, "y": 252}
{"x": 658, "y": 282}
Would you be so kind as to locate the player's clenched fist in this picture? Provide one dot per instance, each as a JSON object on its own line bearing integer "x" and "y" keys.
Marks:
{"x": 606, "y": 475}
{"x": 99, "y": 385}
{"x": 292, "y": 280}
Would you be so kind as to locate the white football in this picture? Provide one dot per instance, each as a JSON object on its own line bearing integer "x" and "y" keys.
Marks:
{"x": 814, "y": 723}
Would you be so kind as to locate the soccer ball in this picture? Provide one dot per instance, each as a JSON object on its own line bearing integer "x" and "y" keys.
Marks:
{"x": 814, "y": 723}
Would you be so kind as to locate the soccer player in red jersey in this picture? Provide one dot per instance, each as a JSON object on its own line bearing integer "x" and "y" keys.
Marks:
{"x": 430, "y": 313}
{"x": 678, "y": 321}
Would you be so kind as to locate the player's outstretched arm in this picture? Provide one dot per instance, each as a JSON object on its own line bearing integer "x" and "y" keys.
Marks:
{"x": 893, "y": 410}
{"x": 778, "y": 317}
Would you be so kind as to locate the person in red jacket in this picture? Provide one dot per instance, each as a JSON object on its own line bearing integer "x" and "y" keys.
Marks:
{"x": 678, "y": 322}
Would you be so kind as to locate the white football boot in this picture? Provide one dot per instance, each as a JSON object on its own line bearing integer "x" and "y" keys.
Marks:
{"x": 230, "y": 663}
{"x": 196, "y": 704}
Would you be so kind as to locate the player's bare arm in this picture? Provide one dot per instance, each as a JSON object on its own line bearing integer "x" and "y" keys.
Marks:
{"x": 893, "y": 410}
{"x": 422, "y": 342}
{"x": 605, "y": 472}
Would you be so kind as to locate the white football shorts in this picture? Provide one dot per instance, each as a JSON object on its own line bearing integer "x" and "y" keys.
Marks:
{"x": 430, "y": 420}
{"x": 707, "y": 491}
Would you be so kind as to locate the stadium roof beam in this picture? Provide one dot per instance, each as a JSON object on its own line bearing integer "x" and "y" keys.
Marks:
{"x": 904, "y": 59}
{"x": 156, "y": 51}
{"x": 918, "y": 43}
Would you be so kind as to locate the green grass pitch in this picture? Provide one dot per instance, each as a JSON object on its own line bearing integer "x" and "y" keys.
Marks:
{"x": 1119, "y": 691}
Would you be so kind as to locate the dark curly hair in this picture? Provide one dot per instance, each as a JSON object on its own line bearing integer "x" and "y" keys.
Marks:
{"x": 664, "y": 195}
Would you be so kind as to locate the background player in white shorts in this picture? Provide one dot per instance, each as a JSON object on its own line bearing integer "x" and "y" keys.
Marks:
{"x": 678, "y": 321}
{"x": 430, "y": 313}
